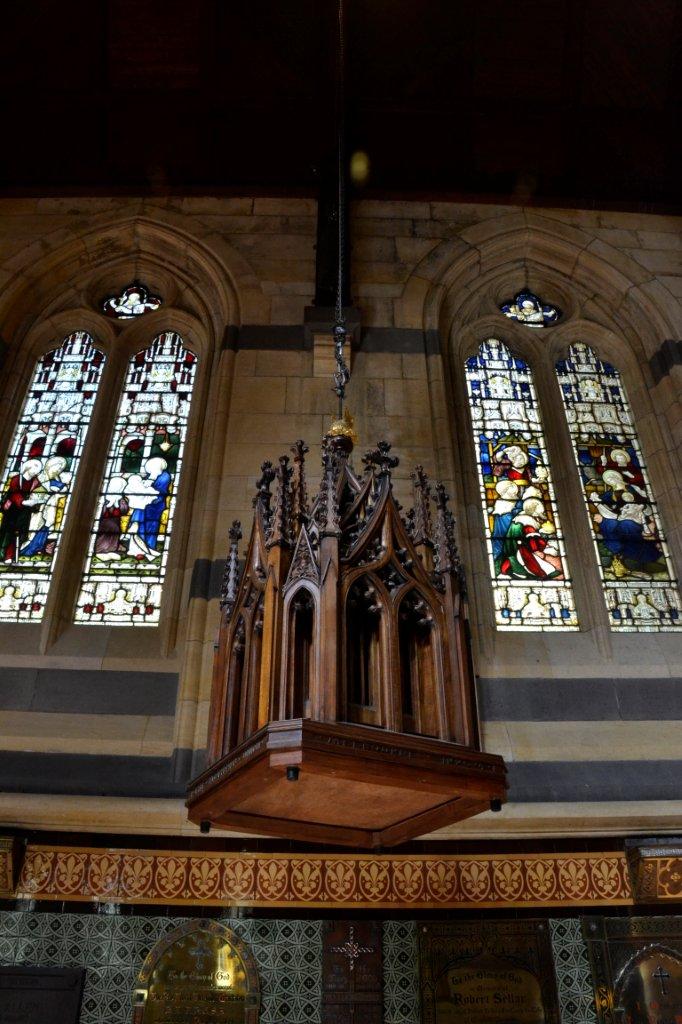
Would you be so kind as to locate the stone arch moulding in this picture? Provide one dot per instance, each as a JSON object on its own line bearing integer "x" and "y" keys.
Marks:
{"x": 204, "y": 276}
{"x": 594, "y": 280}
{"x": 613, "y": 307}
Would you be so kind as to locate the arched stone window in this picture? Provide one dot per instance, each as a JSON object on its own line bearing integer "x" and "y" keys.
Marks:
{"x": 527, "y": 560}
{"x": 638, "y": 580}
{"x": 130, "y": 535}
{"x": 41, "y": 470}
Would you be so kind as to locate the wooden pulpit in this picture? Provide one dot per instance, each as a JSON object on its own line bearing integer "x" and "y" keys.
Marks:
{"x": 343, "y": 706}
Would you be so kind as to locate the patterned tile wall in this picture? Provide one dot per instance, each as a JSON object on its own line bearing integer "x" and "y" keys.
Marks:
{"x": 401, "y": 976}
{"x": 572, "y": 967}
{"x": 112, "y": 948}
{"x": 288, "y": 953}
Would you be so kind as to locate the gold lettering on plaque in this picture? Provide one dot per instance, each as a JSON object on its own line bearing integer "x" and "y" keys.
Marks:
{"x": 200, "y": 973}
{"x": 488, "y": 990}
{"x": 487, "y": 972}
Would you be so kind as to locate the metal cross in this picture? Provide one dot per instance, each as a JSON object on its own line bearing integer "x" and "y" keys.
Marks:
{"x": 351, "y": 949}
{"x": 661, "y": 976}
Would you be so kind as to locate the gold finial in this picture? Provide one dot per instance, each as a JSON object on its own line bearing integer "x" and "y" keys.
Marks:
{"x": 345, "y": 427}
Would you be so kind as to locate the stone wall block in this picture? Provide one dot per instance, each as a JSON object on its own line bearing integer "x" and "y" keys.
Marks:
{"x": 379, "y": 272}
{"x": 409, "y": 308}
{"x": 390, "y": 227}
{"x": 368, "y": 249}
{"x": 660, "y": 261}
{"x": 403, "y": 210}
{"x": 287, "y": 206}
{"x": 414, "y": 366}
{"x": 258, "y": 394}
{"x": 407, "y": 398}
{"x": 484, "y": 232}
{"x": 289, "y": 309}
{"x": 662, "y": 239}
{"x": 377, "y": 364}
{"x": 375, "y": 312}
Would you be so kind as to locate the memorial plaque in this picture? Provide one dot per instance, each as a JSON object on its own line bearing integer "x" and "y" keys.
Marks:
{"x": 200, "y": 973}
{"x": 487, "y": 972}
{"x": 40, "y": 995}
{"x": 636, "y": 968}
{"x": 352, "y": 981}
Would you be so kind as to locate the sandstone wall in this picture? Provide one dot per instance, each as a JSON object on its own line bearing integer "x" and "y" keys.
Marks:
{"x": 588, "y": 722}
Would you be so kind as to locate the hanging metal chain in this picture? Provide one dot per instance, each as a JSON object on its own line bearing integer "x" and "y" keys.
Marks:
{"x": 341, "y": 375}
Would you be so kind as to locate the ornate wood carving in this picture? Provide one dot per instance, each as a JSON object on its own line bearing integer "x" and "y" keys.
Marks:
{"x": 346, "y": 632}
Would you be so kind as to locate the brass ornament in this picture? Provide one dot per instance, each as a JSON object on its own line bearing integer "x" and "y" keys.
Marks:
{"x": 200, "y": 971}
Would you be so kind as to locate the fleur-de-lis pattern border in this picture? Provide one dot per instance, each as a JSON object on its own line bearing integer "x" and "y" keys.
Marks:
{"x": 320, "y": 880}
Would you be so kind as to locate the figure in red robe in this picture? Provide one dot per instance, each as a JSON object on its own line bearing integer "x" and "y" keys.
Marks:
{"x": 17, "y": 507}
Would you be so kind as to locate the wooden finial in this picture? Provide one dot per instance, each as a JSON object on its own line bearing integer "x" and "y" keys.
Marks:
{"x": 380, "y": 459}
{"x": 447, "y": 555}
{"x": 228, "y": 591}
{"x": 263, "y": 496}
{"x": 280, "y": 530}
{"x": 329, "y": 519}
{"x": 299, "y": 490}
{"x": 422, "y": 527}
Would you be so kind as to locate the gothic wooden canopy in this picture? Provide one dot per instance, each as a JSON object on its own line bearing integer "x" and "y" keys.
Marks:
{"x": 343, "y": 707}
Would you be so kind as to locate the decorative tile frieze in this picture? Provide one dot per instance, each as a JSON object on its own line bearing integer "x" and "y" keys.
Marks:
{"x": 316, "y": 880}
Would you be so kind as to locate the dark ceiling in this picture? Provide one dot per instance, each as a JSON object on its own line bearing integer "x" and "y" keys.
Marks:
{"x": 552, "y": 101}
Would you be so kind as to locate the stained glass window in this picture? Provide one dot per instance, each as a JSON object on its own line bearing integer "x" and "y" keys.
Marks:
{"x": 128, "y": 550}
{"x": 39, "y": 473}
{"x": 528, "y": 309}
{"x": 132, "y": 302}
{"x": 523, "y": 533}
{"x": 639, "y": 583}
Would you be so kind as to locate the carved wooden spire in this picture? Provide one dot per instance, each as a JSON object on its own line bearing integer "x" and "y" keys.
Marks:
{"x": 299, "y": 488}
{"x": 280, "y": 528}
{"x": 228, "y": 591}
{"x": 329, "y": 520}
{"x": 422, "y": 530}
{"x": 447, "y": 555}
{"x": 261, "y": 501}
{"x": 379, "y": 458}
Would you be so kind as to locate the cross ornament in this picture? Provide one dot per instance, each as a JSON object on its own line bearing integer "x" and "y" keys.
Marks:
{"x": 661, "y": 977}
{"x": 352, "y": 949}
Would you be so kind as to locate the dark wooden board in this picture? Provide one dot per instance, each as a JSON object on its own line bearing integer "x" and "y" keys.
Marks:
{"x": 40, "y": 995}
{"x": 487, "y": 972}
{"x": 352, "y": 979}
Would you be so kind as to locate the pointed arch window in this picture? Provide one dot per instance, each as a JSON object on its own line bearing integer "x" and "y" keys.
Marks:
{"x": 130, "y": 535}
{"x": 531, "y": 583}
{"x": 40, "y": 471}
{"x": 638, "y": 581}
